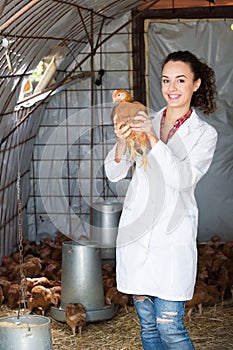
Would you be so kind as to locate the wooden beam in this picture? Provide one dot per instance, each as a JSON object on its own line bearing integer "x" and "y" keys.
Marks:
{"x": 190, "y": 13}
{"x": 138, "y": 48}
{"x": 19, "y": 14}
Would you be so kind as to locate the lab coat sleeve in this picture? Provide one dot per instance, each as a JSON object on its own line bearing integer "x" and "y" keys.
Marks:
{"x": 116, "y": 171}
{"x": 186, "y": 172}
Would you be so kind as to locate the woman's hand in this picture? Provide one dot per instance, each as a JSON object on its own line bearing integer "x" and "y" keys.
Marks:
{"x": 143, "y": 124}
{"x": 122, "y": 132}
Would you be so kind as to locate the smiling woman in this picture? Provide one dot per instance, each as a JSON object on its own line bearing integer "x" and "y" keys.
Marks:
{"x": 184, "y": 83}
{"x": 178, "y": 88}
{"x": 195, "y": 85}
{"x": 156, "y": 247}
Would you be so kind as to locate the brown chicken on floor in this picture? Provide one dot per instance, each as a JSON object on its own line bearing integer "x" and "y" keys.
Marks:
{"x": 30, "y": 268}
{"x": 5, "y": 284}
{"x": 1, "y": 295}
{"x": 198, "y": 298}
{"x": 13, "y": 297}
{"x": 75, "y": 317}
{"x": 41, "y": 298}
{"x": 117, "y": 298}
{"x": 109, "y": 276}
{"x": 223, "y": 281}
{"x": 125, "y": 111}
{"x": 7, "y": 260}
{"x": 37, "y": 281}
{"x": 50, "y": 271}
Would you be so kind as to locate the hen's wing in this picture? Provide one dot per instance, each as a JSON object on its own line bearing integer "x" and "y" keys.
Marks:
{"x": 126, "y": 111}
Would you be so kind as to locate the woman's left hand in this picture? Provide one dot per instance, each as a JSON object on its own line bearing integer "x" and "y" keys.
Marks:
{"x": 144, "y": 124}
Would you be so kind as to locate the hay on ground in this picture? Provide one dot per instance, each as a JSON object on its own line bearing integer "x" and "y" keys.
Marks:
{"x": 211, "y": 330}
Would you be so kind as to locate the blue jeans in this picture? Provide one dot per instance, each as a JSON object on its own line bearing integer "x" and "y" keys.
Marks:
{"x": 162, "y": 324}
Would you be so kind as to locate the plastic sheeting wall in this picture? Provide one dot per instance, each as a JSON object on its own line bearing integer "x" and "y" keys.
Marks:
{"x": 72, "y": 142}
{"x": 15, "y": 155}
{"x": 212, "y": 41}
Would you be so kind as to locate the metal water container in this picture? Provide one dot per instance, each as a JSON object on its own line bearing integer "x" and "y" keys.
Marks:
{"x": 25, "y": 333}
{"x": 105, "y": 220}
{"x": 82, "y": 281}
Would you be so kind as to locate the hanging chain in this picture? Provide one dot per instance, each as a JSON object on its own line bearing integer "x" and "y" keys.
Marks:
{"x": 23, "y": 282}
{"x": 20, "y": 223}
{"x": 19, "y": 203}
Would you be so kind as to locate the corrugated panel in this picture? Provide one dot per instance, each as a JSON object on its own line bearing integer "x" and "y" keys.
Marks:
{"x": 15, "y": 156}
{"x": 54, "y": 19}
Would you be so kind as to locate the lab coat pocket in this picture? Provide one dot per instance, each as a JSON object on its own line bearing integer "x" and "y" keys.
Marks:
{"x": 184, "y": 267}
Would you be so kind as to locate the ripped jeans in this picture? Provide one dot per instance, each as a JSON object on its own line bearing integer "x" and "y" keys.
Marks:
{"x": 162, "y": 324}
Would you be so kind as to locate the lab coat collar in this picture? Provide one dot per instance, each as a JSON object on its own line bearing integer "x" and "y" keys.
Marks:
{"x": 193, "y": 122}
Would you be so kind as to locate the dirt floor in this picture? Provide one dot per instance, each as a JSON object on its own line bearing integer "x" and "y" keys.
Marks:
{"x": 211, "y": 330}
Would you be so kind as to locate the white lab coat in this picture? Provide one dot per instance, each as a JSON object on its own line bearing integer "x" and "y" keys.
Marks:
{"x": 156, "y": 244}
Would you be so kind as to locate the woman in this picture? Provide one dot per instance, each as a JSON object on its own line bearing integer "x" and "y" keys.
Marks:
{"x": 156, "y": 243}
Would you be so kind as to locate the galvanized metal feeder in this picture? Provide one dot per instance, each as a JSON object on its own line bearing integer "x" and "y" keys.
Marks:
{"x": 25, "y": 333}
{"x": 105, "y": 219}
{"x": 82, "y": 282}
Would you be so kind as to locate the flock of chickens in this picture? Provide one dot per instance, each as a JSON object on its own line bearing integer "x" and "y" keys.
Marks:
{"x": 214, "y": 281}
{"x": 35, "y": 284}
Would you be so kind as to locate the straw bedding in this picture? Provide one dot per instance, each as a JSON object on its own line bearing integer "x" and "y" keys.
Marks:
{"x": 211, "y": 330}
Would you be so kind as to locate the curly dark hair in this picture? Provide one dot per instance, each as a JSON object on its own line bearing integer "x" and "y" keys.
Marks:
{"x": 205, "y": 97}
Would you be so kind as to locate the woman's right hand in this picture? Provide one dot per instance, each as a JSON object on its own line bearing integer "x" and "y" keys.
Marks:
{"x": 121, "y": 130}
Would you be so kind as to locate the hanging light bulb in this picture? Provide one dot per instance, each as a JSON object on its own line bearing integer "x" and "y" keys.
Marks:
{"x": 5, "y": 44}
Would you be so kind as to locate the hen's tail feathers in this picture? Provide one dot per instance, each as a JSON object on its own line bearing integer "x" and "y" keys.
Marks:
{"x": 145, "y": 161}
{"x": 133, "y": 152}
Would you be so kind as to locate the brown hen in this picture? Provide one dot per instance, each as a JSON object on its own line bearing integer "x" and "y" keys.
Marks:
{"x": 125, "y": 111}
{"x": 13, "y": 297}
{"x": 1, "y": 295}
{"x": 118, "y": 298}
{"x": 30, "y": 268}
{"x": 75, "y": 317}
{"x": 41, "y": 298}
{"x": 37, "y": 281}
{"x": 5, "y": 284}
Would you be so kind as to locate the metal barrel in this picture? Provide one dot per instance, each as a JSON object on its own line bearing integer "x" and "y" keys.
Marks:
{"x": 82, "y": 275}
{"x": 25, "y": 333}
